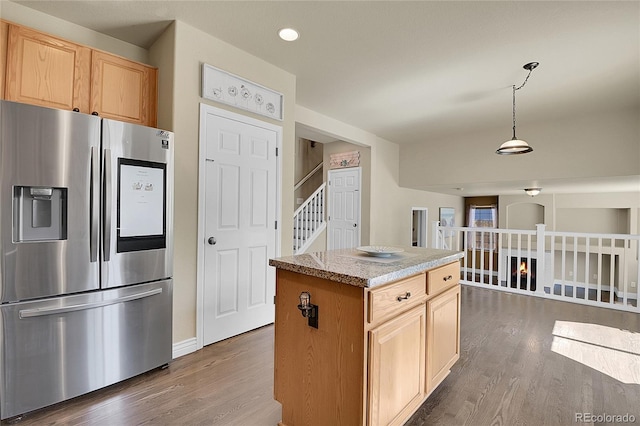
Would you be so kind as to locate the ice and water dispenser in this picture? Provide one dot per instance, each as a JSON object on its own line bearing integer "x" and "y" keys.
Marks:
{"x": 39, "y": 213}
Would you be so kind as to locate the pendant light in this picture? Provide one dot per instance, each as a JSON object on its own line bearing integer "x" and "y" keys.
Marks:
{"x": 532, "y": 192}
{"x": 515, "y": 145}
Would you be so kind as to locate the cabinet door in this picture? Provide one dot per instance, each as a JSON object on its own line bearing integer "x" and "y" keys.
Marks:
{"x": 123, "y": 90}
{"x": 396, "y": 368}
{"x": 47, "y": 71}
{"x": 443, "y": 335}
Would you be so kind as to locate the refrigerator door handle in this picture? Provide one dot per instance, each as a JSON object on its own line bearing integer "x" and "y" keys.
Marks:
{"x": 107, "y": 205}
{"x": 95, "y": 204}
{"x": 38, "y": 312}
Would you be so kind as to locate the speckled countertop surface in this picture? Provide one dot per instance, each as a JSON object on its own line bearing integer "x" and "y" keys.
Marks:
{"x": 359, "y": 269}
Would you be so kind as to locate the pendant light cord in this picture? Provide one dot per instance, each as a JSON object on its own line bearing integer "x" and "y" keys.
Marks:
{"x": 514, "y": 101}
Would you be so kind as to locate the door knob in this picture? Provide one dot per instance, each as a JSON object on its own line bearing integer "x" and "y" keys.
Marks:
{"x": 212, "y": 240}
{"x": 355, "y": 225}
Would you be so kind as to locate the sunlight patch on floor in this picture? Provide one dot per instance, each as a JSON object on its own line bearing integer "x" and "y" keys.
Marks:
{"x": 611, "y": 351}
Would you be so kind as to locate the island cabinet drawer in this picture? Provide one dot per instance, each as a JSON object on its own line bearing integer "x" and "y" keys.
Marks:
{"x": 392, "y": 299}
{"x": 442, "y": 278}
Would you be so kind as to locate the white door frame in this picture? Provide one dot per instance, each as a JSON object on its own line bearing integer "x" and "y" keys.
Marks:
{"x": 359, "y": 169}
{"x": 208, "y": 109}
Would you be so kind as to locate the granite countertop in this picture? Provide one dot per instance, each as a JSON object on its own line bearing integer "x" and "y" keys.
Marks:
{"x": 351, "y": 266}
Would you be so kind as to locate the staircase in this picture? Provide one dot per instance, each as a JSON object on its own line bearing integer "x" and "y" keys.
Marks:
{"x": 309, "y": 220}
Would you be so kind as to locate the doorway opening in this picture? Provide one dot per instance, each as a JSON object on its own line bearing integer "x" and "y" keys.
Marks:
{"x": 419, "y": 226}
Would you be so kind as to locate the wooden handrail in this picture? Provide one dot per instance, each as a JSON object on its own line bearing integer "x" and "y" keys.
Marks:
{"x": 308, "y": 176}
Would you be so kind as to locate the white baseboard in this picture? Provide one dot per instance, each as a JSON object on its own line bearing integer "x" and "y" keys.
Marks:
{"x": 629, "y": 295}
{"x": 185, "y": 347}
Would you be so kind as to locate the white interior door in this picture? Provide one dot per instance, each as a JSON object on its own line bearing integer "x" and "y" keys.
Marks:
{"x": 344, "y": 208}
{"x": 239, "y": 227}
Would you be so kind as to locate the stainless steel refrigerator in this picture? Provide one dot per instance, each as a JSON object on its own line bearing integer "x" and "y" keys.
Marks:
{"x": 86, "y": 253}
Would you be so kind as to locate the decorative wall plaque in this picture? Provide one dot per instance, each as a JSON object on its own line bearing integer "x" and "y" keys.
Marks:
{"x": 221, "y": 86}
{"x": 344, "y": 159}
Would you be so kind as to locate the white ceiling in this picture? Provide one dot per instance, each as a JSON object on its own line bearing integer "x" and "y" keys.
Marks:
{"x": 414, "y": 71}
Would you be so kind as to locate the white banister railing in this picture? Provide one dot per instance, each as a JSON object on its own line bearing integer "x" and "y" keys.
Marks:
{"x": 309, "y": 220}
{"x": 594, "y": 269}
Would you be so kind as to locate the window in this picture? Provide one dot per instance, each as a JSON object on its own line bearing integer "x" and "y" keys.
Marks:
{"x": 482, "y": 217}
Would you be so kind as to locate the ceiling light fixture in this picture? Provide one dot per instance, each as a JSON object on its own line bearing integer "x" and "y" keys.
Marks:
{"x": 515, "y": 145}
{"x": 532, "y": 192}
{"x": 288, "y": 34}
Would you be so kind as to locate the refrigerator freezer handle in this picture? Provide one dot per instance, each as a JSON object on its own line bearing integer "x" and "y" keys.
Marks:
{"x": 95, "y": 204}
{"x": 108, "y": 204}
{"x": 38, "y": 312}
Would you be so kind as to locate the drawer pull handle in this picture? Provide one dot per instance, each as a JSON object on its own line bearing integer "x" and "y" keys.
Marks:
{"x": 405, "y": 297}
{"x": 450, "y": 277}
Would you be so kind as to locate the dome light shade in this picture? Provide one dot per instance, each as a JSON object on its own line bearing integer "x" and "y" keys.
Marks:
{"x": 532, "y": 192}
{"x": 514, "y": 146}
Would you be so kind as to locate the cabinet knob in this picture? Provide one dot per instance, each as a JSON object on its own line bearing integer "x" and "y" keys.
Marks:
{"x": 450, "y": 277}
{"x": 405, "y": 297}
{"x": 95, "y": 113}
{"x": 76, "y": 110}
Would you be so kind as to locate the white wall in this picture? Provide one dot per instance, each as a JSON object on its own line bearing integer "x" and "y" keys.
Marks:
{"x": 162, "y": 55}
{"x": 390, "y": 209}
{"x": 191, "y": 48}
{"x": 391, "y": 205}
{"x": 614, "y": 212}
{"x": 598, "y": 145}
{"x": 524, "y": 215}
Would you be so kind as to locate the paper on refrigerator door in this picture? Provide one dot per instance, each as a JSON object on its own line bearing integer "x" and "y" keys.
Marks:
{"x": 141, "y": 201}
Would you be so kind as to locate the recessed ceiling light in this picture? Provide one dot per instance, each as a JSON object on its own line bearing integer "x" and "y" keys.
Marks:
{"x": 288, "y": 34}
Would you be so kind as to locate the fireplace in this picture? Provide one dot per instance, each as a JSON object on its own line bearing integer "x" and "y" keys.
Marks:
{"x": 522, "y": 268}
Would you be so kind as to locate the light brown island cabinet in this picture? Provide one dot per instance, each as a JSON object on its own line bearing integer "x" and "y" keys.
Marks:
{"x": 49, "y": 71}
{"x": 377, "y": 354}
{"x": 443, "y": 323}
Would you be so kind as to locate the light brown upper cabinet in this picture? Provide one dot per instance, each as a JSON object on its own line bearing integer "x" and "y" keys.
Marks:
{"x": 122, "y": 89}
{"x": 47, "y": 71}
{"x": 4, "y": 34}
{"x": 53, "y": 72}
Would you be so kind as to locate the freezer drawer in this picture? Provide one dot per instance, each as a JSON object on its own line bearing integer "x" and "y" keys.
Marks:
{"x": 59, "y": 348}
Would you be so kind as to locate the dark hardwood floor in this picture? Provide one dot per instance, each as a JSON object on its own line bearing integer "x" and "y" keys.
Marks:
{"x": 510, "y": 372}
{"x": 228, "y": 383}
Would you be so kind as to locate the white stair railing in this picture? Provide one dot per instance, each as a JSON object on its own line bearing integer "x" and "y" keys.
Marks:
{"x": 309, "y": 220}
{"x": 587, "y": 268}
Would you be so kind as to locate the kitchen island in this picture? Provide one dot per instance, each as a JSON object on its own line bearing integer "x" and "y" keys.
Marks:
{"x": 361, "y": 339}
